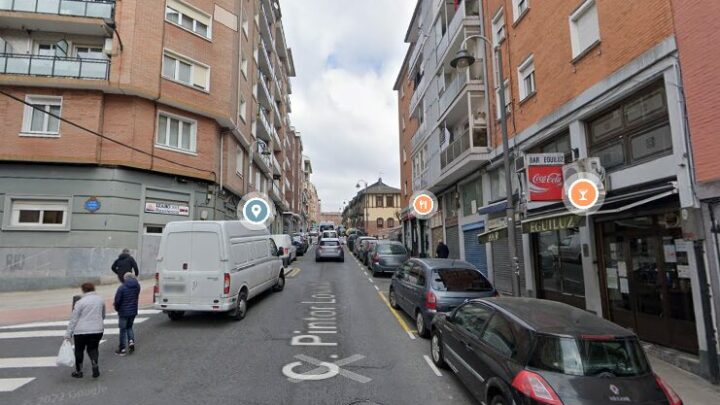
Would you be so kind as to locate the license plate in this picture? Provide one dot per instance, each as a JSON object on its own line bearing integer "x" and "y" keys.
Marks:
{"x": 174, "y": 288}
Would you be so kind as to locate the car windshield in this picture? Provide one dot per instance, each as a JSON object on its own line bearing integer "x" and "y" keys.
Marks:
{"x": 592, "y": 357}
{"x": 391, "y": 250}
{"x": 457, "y": 279}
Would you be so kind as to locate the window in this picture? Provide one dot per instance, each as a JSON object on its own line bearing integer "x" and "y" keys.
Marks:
{"x": 243, "y": 14}
{"x": 526, "y": 77}
{"x": 380, "y": 222}
{"x": 499, "y": 335}
{"x": 390, "y": 201}
{"x": 36, "y": 119}
{"x": 471, "y": 197}
{"x": 244, "y": 66}
{"x": 258, "y": 185}
{"x": 459, "y": 280}
{"x": 239, "y": 160}
{"x": 498, "y": 27}
{"x": 39, "y": 214}
{"x": 519, "y": 8}
{"x": 90, "y": 52}
{"x": 176, "y": 133}
{"x": 60, "y": 48}
{"x": 379, "y": 201}
{"x": 584, "y": 28}
{"x": 636, "y": 130}
{"x": 402, "y": 120}
{"x": 243, "y": 109}
{"x": 472, "y": 317}
{"x": 153, "y": 229}
{"x": 250, "y": 169}
{"x": 558, "y": 144}
{"x": 497, "y": 184}
{"x": 186, "y": 71}
{"x": 508, "y": 99}
{"x": 188, "y": 18}
{"x": 390, "y": 223}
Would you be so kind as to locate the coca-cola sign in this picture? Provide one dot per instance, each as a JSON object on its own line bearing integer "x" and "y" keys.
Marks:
{"x": 545, "y": 181}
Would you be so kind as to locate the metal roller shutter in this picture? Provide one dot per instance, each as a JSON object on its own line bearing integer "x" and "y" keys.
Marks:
{"x": 475, "y": 252}
{"x": 453, "y": 242}
{"x": 502, "y": 264}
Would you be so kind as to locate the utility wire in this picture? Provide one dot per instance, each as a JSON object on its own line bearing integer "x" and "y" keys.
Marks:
{"x": 105, "y": 137}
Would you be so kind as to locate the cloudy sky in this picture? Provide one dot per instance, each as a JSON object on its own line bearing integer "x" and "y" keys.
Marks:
{"x": 347, "y": 56}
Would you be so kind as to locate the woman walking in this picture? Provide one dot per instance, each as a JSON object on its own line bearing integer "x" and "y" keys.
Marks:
{"x": 86, "y": 327}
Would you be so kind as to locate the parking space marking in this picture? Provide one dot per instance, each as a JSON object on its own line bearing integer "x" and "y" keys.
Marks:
{"x": 293, "y": 273}
{"x": 377, "y": 288}
{"x": 432, "y": 365}
{"x": 397, "y": 316}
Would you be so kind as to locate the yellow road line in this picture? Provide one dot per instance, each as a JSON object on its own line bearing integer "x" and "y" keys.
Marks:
{"x": 293, "y": 273}
{"x": 398, "y": 317}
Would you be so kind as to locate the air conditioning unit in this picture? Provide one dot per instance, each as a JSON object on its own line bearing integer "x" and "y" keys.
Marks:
{"x": 586, "y": 165}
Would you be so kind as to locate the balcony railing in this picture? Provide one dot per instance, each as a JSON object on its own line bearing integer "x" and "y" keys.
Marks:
{"x": 54, "y": 66}
{"x": 454, "y": 150}
{"x": 77, "y": 8}
{"x": 452, "y": 90}
{"x": 268, "y": 26}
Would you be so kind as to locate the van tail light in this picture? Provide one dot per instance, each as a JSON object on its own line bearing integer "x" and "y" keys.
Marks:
{"x": 430, "y": 300}
{"x": 533, "y": 386}
{"x": 226, "y": 284}
{"x": 672, "y": 397}
{"x": 156, "y": 288}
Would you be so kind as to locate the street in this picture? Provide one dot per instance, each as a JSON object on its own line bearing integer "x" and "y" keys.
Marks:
{"x": 328, "y": 338}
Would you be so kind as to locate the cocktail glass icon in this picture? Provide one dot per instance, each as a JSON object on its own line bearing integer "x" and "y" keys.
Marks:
{"x": 583, "y": 192}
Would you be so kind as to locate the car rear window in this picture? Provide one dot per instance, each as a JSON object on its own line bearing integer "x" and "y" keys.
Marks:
{"x": 329, "y": 243}
{"x": 590, "y": 357}
{"x": 454, "y": 280}
{"x": 391, "y": 250}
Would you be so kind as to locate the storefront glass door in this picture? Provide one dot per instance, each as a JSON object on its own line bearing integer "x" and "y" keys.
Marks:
{"x": 559, "y": 266}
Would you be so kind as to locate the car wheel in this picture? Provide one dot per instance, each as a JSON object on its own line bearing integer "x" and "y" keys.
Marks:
{"x": 175, "y": 315}
{"x": 280, "y": 285}
{"x": 240, "y": 310}
{"x": 498, "y": 400}
{"x": 393, "y": 299}
{"x": 420, "y": 325}
{"x": 436, "y": 350}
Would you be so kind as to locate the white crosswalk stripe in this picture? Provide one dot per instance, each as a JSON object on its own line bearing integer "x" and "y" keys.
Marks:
{"x": 53, "y": 331}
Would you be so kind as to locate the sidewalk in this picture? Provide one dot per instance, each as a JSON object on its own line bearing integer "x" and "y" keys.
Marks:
{"x": 55, "y": 305}
{"x": 692, "y": 389}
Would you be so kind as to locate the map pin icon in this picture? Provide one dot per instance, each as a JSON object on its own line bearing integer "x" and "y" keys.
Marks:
{"x": 256, "y": 210}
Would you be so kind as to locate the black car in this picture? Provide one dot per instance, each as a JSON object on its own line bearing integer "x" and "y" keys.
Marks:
{"x": 351, "y": 240}
{"x": 531, "y": 351}
{"x": 301, "y": 244}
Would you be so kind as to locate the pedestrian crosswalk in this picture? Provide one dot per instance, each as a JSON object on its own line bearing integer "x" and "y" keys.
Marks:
{"x": 47, "y": 338}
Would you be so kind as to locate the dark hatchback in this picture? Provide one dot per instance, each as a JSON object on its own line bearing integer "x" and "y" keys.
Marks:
{"x": 425, "y": 287}
{"x": 528, "y": 351}
{"x": 386, "y": 257}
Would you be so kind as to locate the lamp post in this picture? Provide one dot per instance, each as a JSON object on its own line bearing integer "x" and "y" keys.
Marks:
{"x": 365, "y": 227}
{"x": 463, "y": 59}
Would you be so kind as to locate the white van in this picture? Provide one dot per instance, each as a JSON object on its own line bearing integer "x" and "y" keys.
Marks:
{"x": 214, "y": 266}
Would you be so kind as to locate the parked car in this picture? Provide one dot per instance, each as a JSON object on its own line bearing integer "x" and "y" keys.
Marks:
{"x": 386, "y": 257}
{"x": 526, "y": 350}
{"x": 425, "y": 287}
{"x": 357, "y": 248}
{"x": 329, "y": 248}
{"x": 367, "y": 246}
{"x": 284, "y": 243}
{"x": 214, "y": 266}
{"x": 329, "y": 235}
{"x": 301, "y": 245}
{"x": 351, "y": 241}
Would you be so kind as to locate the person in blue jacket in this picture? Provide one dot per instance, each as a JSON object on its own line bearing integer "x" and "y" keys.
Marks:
{"x": 126, "y": 305}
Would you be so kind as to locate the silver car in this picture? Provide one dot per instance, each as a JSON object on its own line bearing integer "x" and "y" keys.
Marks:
{"x": 329, "y": 248}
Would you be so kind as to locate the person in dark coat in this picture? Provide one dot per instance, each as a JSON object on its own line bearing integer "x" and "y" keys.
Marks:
{"x": 442, "y": 250}
{"x": 126, "y": 305}
{"x": 124, "y": 264}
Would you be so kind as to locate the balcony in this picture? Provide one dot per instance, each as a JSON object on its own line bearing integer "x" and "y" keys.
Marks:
{"x": 264, "y": 129}
{"x": 454, "y": 150}
{"x": 275, "y": 193}
{"x": 276, "y": 165}
{"x": 54, "y": 66}
{"x": 461, "y": 19}
{"x": 265, "y": 98}
{"x": 266, "y": 26}
{"x": 83, "y": 17}
{"x": 265, "y": 62}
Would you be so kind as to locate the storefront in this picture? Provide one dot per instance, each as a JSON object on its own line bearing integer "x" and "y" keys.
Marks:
{"x": 646, "y": 274}
{"x": 557, "y": 257}
{"x": 475, "y": 252}
{"x": 497, "y": 237}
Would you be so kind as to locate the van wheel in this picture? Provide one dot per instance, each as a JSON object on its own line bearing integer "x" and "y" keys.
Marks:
{"x": 240, "y": 310}
{"x": 280, "y": 285}
{"x": 175, "y": 315}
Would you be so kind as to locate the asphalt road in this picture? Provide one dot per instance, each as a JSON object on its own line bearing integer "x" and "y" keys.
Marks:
{"x": 328, "y": 338}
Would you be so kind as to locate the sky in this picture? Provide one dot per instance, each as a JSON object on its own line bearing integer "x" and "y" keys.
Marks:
{"x": 347, "y": 56}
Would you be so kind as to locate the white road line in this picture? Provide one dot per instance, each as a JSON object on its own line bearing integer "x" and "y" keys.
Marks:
{"x": 27, "y": 362}
{"x": 377, "y": 288}
{"x": 412, "y": 335}
{"x": 432, "y": 366}
{"x": 143, "y": 312}
{"x": 11, "y": 384}
{"x": 61, "y": 323}
{"x": 45, "y": 333}
{"x": 371, "y": 280}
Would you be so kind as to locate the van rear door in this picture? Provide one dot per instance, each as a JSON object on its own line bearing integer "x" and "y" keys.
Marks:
{"x": 175, "y": 282}
{"x": 205, "y": 268}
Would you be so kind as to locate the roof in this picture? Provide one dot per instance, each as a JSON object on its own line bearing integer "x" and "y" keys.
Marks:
{"x": 379, "y": 188}
{"x": 551, "y": 317}
{"x": 444, "y": 263}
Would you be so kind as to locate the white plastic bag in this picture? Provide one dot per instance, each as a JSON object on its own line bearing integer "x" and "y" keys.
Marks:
{"x": 66, "y": 355}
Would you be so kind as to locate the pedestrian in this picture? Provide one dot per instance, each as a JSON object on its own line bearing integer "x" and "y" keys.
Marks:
{"x": 124, "y": 264}
{"x": 442, "y": 250}
{"x": 126, "y": 305}
{"x": 86, "y": 327}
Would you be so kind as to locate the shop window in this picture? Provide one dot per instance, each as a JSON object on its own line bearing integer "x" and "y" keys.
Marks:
{"x": 497, "y": 184}
{"x": 559, "y": 258}
{"x": 471, "y": 197}
{"x": 637, "y": 130}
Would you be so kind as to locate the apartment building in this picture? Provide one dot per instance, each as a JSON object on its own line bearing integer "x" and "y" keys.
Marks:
{"x": 375, "y": 209}
{"x": 313, "y": 205}
{"x": 122, "y": 116}
{"x": 575, "y": 86}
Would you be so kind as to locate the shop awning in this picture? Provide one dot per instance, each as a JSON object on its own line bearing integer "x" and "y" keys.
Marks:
{"x": 636, "y": 203}
{"x": 493, "y": 235}
{"x": 493, "y": 208}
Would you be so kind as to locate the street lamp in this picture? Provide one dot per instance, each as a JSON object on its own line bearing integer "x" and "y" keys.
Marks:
{"x": 357, "y": 185}
{"x": 463, "y": 59}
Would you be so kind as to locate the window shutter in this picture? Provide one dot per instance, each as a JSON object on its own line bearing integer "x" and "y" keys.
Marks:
{"x": 200, "y": 77}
